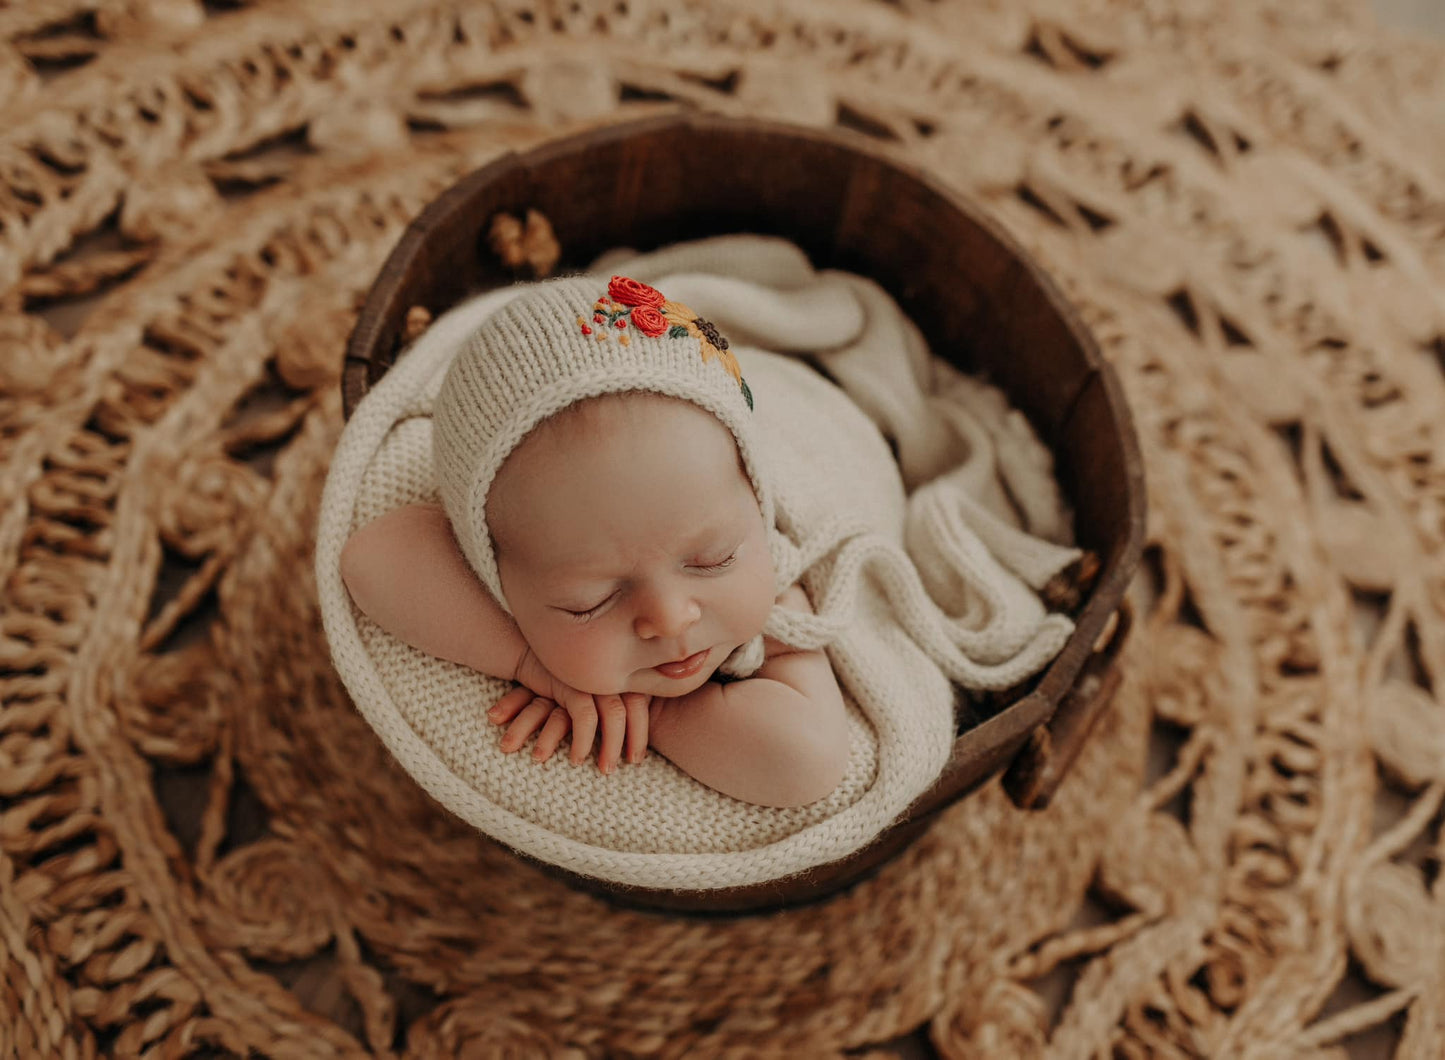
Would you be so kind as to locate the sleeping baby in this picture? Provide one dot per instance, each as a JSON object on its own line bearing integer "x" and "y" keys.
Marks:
{"x": 604, "y": 542}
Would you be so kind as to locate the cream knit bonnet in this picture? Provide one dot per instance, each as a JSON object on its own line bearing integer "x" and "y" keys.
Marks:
{"x": 557, "y": 343}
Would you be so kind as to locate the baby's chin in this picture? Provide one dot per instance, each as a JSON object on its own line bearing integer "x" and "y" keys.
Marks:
{"x": 669, "y": 688}
{"x": 653, "y": 683}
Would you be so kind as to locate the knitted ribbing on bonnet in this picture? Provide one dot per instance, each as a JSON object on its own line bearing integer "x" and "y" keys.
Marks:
{"x": 562, "y": 342}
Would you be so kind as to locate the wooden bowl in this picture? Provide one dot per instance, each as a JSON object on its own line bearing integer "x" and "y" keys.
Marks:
{"x": 973, "y": 290}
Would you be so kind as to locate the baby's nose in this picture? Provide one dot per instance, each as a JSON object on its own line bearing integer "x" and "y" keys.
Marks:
{"x": 667, "y": 615}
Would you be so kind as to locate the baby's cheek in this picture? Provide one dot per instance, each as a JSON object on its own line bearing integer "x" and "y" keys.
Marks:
{"x": 583, "y": 660}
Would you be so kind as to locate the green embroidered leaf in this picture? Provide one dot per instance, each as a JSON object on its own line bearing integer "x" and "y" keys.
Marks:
{"x": 677, "y": 331}
{"x": 747, "y": 394}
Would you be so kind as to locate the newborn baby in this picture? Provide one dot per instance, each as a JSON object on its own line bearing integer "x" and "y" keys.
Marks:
{"x": 604, "y": 542}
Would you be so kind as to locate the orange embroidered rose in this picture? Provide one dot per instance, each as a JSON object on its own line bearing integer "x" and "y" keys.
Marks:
{"x": 648, "y": 320}
{"x": 627, "y": 291}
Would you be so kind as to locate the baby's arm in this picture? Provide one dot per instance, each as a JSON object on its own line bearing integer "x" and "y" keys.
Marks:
{"x": 407, "y": 573}
{"x": 778, "y": 738}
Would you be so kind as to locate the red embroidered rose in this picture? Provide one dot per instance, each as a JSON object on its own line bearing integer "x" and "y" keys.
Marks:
{"x": 631, "y": 292}
{"x": 648, "y": 320}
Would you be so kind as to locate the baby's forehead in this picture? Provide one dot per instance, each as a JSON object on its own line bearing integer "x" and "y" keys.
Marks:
{"x": 604, "y": 419}
{"x": 611, "y": 412}
{"x": 607, "y": 435}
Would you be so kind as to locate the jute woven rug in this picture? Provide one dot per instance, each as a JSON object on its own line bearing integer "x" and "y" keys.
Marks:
{"x": 205, "y": 852}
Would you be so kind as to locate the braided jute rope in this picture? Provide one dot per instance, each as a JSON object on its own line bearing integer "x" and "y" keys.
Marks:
{"x": 204, "y": 851}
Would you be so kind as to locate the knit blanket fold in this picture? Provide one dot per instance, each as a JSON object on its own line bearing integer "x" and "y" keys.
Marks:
{"x": 916, "y": 508}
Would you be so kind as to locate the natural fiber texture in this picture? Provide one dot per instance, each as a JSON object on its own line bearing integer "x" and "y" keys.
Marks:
{"x": 204, "y": 851}
{"x": 908, "y": 593}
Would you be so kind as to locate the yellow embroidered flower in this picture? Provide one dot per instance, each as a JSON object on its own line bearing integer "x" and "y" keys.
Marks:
{"x": 632, "y": 305}
{"x": 707, "y": 335}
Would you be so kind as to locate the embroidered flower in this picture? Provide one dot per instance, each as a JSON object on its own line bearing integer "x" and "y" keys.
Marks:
{"x": 710, "y": 332}
{"x": 648, "y": 320}
{"x": 627, "y": 291}
{"x": 654, "y": 316}
{"x": 684, "y": 322}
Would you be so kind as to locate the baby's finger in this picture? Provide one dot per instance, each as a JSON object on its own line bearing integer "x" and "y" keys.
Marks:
{"x": 637, "y": 706}
{"x": 584, "y": 726}
{"x": 510, "y": 705}
{"x": 613, "y": 720}
{"x": 556, "y": 726}
{"x": 526, "y": 723}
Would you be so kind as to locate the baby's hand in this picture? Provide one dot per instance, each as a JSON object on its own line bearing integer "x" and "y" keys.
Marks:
{"x": 549, "y": 708}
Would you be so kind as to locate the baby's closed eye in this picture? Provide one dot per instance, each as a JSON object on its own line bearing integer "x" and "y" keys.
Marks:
{"x": 720, "y": 564}
{"x": 583, "y": 614}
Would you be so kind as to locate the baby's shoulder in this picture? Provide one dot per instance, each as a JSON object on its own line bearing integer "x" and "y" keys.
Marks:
{"x": 795, "y": 598}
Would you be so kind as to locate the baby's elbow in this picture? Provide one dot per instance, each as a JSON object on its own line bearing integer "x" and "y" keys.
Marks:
{"x": 817, "y": 765}
{"x": 352, "y": 563}
{"x": 358, "y": 567}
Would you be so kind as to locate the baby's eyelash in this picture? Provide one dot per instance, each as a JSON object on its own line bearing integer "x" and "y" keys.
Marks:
{"x": 583, "y": 616}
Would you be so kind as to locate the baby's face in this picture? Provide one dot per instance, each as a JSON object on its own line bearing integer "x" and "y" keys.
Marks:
{"x": 629, "y": 537}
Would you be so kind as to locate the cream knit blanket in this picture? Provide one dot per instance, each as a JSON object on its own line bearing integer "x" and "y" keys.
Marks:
{"x": 923, "y": 571}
